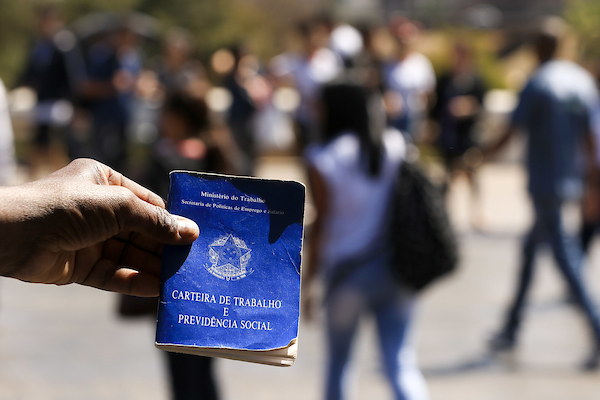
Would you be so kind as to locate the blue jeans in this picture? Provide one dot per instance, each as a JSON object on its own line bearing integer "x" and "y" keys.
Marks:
{"x": 567, "y": 253}
{"x": 371, "y": 290}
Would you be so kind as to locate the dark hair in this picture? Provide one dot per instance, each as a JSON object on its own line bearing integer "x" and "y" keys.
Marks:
{"x": 191, "y": 109}
{"x": 303, "y": 29}
{"x": 547, "y": 36}
{"x": 346, "y": 109}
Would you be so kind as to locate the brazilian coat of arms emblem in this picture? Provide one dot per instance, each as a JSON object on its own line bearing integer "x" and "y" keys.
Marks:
{"x": 228, "y": 258}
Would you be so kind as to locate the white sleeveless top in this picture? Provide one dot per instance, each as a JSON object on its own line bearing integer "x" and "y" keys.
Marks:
{"x": 357, "y": 202}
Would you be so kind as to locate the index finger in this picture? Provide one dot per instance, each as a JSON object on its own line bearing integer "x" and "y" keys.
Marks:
{"x": 101, "y": 174}
{"x": 117, "y": 179}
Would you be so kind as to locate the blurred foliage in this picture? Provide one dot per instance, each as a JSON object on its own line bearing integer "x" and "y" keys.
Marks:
{"x": 483, "y": 45}
{"x": 256, "y": 24}
{"x": 583, "y": 16}
{"x": 16, "y": 25}
{"x": 431, "y": 12}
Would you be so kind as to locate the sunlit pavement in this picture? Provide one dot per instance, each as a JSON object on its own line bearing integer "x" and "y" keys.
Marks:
{"x": 68, "y": 343}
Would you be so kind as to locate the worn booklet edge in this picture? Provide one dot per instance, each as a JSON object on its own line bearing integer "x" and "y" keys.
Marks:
{"x": 284, "y": 357}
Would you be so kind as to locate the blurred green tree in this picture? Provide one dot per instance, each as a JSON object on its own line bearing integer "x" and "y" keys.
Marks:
{"x": 583, "y": 16}
{"x": 16, "y": 27}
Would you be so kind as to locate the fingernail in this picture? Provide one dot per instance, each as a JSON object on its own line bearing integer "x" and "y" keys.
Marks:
{"x": 187, "y": 228}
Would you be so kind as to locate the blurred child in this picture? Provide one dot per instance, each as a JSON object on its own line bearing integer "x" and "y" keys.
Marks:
{"x": 184, "y": 142}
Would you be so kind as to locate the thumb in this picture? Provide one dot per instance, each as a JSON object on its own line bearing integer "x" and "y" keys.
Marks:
{"x": 157, "y": 223}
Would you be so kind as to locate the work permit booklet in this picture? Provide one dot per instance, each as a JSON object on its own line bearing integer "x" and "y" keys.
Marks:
{"x": 235, "y": 291}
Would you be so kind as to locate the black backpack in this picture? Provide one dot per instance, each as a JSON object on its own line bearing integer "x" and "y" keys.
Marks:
{"x": 423, "y": 242}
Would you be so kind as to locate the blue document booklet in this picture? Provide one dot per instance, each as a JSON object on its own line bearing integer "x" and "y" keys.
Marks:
{"x": 234, "y": 292}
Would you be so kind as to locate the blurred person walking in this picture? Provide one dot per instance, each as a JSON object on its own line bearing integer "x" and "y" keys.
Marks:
{"x": 409, "y": 81}
{"x": 352, "y": 175}
{"x": 238, "y": 71}
{"x": 114, "y": 64}
{"x": 177, "y": 69}
{"x": 184, "y": 143}
{"x": 368, "y": 63}
{"x": 458, "y": 104}
{"x": 308, "y": 69}
{"x": 52, "y": 71}
{"x": 554, "y": 111}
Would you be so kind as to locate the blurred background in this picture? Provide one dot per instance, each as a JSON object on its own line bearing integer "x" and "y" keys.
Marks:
{"x": 230, "y": 86}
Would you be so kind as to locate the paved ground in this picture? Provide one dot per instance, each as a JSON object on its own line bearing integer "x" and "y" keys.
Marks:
{"x": 67, "y": 343}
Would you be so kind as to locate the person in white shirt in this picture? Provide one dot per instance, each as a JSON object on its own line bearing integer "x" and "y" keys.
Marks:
{"x": 309, "y": 69}
{"x": 409, "y": 81}
{"x": 352, "y": 175}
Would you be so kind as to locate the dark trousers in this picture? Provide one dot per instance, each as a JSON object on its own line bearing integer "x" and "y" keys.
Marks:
{"x": 191, "y": 377}
{"x": 548, "y": 228}
{"x": 588, "y": 230}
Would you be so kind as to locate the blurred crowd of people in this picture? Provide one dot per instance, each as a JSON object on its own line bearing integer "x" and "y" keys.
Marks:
{"x": 353, "y": 111}
{"x": 98, "y": 93}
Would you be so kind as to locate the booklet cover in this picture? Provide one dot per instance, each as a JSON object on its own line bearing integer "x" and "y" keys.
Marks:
{"x": 235, "y": 291}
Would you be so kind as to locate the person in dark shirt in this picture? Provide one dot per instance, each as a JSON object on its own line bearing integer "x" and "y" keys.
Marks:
{"x": 241, "y": 112}
{"x": 114, "y": 64}
{"x": 459, "y": 101}
{"x": 52, "y": 70}
{"x": 554, "y": 110}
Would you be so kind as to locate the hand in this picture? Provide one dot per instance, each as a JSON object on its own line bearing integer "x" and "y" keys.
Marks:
{"x": 87, "y": 224}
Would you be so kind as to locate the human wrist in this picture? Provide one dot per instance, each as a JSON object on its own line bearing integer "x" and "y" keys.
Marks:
{"x": 26, "y": 212}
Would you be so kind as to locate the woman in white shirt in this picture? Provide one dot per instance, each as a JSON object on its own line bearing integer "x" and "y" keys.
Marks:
{"x": 352, "y": 174}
